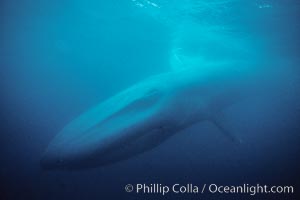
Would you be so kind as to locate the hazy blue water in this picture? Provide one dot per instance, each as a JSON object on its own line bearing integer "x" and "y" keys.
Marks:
{"x": 59, "y": 58}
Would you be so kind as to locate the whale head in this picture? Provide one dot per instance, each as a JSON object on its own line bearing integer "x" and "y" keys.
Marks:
{"x": 126, "y": 124}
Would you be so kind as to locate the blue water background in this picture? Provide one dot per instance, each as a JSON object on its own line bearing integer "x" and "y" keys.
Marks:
{"x": 59, "y": 58}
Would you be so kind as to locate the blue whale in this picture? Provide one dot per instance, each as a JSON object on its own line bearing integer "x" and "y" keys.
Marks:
{"x": 145, "y": 115}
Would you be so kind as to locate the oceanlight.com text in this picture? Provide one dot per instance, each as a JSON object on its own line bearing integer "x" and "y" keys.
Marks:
{"x": 162, "y": 189}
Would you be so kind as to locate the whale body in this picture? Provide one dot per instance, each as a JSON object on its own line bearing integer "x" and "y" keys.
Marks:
{"x": 145, "y": 115}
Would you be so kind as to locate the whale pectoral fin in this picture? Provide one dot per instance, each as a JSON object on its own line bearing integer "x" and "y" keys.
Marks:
{"x": 221, "y": 124}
